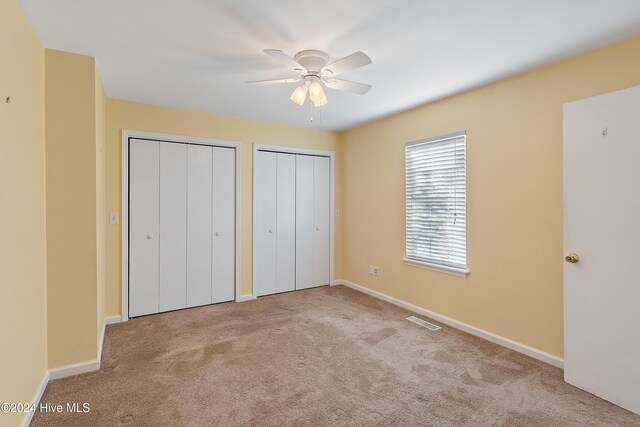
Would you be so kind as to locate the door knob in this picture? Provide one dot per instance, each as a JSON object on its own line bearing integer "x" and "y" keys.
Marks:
{"x": 317, "y": 228}
{"x": 572, "y": 258}
{"x": 217, "y": 234}
{"x": 270, "y": 231}
{"x": 150, "y": 236}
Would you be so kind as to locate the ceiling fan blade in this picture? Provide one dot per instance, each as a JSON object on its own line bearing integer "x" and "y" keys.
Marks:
{"x": 272, "y": 81}
{"x": 285, "y": 59}
{"x": 348, "y": 63}
{"x": 347, "y": 86}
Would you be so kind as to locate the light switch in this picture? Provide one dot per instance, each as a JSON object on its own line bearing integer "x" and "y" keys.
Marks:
{"x": 113, "y": 218}
{"x": 338, "y": 212}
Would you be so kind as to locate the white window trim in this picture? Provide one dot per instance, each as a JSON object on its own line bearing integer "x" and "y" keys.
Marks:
{"x": 442, "y": 268}
{"x": 461, "y": 272}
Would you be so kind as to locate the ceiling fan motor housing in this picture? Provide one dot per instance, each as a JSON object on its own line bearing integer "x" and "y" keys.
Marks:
{"x": 312, "y": 60}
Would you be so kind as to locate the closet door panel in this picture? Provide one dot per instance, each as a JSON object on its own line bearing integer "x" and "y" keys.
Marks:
{"x": 143, "y": 227}
{"x": 304, "y": 221}
{"x": 321, "y": 212}
{"x": 199, "y": 224}
{"x": 286, "y": 222}
{"x": 173, "y": 226}
{"x": 224, "y": 210}
{"x": 265, "y": 247}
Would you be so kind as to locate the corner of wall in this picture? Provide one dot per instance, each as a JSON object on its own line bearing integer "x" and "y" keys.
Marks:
{"x": 101, "y": 210}
{"x": 72, "y": 199}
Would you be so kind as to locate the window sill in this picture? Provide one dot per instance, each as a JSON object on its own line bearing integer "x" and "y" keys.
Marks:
{"x": 461, "y": 272}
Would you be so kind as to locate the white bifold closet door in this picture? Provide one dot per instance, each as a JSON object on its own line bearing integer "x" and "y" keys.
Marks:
{"x": 173, "y": 223}
{"x": 322, "y": 220}
{"x": 312, "y": 221}
{"x": 182, "y": 226}
{"x": 144, "y": 219}
{"x": 224, "y": 225}
{"x": 304, "y": 222}
{"x": 292, "y": 222}
{"x": 274, "y": 233}
{"x": 199, "y": 225}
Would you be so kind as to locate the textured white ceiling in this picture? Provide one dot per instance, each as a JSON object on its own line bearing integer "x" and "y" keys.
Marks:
{"x": 197, "y": 54}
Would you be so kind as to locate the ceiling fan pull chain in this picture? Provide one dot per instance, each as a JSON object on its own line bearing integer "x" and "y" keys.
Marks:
{"x": 311, "y": 104}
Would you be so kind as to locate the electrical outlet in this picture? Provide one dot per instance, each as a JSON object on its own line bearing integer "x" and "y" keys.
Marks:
{"x": 373, "y": 270}
{"x": 338, "y": 212}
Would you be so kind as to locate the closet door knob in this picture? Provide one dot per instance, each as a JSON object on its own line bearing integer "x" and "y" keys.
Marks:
{"x": 270, "y": 231}
{"x": 572, "y": 258}
{"x": 217, "y": 234}
{"x": 150, "y": 236}
{"x": 317, "y": 228}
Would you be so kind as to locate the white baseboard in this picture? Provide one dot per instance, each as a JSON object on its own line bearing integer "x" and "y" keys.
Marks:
{"x": 110, "y": 320}
{"x": 101, "y": 342}
{"x": 243, "y": 298}
{"x": 86, "y": 366}
{"x": 489, "y": 336}
{"x": 74, "y": 369}
{"x": 36, "y": 399}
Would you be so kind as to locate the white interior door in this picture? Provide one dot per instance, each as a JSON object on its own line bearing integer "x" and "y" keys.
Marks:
{"x": 224, "y": 214}
{"x": 601, "y": 226}
{"x": 321, "y": 219}
{"x": 304, "y": 222}
{"x": 173, "y": 226}
{"x": 199, "y": 224}
{"x": 264, "y": 232}
{"x": 286, "y": 222}
{"x": 143, "y": 227}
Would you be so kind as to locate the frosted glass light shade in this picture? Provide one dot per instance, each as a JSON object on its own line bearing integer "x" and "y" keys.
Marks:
{"x": 316, "y": 92}
{"x": 299, "y": 94}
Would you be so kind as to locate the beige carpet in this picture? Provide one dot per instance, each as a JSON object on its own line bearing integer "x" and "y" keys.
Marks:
{"x": 326, "y": 356}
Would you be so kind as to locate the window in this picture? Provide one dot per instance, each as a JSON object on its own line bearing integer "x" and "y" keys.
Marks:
{"x": 436, "y": 194}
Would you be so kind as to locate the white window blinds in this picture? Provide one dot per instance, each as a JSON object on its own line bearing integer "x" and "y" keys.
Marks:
{"x": 436, "y": 194}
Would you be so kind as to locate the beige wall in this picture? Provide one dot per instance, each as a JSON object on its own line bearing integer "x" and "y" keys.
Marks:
{"x": 72, "y": 246}
{"x": 23, "y": 311}
{"x": 514, "y": 143}
{"x": 134, "y": 116}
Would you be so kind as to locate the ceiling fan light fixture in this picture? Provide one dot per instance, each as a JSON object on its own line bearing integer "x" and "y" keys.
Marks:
{"x": 322, "y": 101}
{"x": 316, "y": 92}
{"x": 314, "y": 69}
{"x": 299, "y": 94}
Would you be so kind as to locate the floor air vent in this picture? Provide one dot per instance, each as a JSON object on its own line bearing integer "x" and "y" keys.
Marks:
{"x": 423, "y": 323}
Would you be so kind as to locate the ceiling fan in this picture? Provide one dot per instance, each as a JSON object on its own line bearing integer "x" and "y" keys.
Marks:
{"x": 314, "y": 70}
